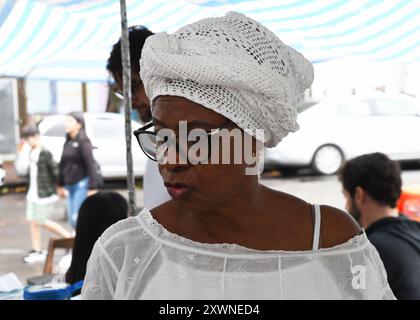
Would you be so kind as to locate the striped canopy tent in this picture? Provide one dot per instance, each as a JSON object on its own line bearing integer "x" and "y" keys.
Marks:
{"x": 71, "y": 39}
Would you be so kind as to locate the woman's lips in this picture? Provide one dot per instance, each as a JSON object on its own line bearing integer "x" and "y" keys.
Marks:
{"x": 177, "y": 191}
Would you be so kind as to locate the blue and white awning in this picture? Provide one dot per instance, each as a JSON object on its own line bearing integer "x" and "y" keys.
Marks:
{"x": 71, "y": 39}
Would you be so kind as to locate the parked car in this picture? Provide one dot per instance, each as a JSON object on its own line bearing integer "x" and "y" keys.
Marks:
{"x": 107, "y": 134}
{"x": 334, "y": 131}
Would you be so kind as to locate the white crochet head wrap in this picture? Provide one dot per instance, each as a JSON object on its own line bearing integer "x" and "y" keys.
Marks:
{"x": 234, "y": 66}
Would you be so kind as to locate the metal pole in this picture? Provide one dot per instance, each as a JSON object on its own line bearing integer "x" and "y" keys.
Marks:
{"x": 84, "y": 97}
{"x": 125, "y": 53}
{"x": 22, "y": 103}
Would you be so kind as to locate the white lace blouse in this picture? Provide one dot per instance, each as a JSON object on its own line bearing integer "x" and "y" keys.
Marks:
{"x": 137, "y": 258}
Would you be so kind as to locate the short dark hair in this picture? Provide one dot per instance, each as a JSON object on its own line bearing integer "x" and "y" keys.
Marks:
{"x": 375, "y": 173}
{"x": 137, "y": 35}
{"x": 30, "y": 131}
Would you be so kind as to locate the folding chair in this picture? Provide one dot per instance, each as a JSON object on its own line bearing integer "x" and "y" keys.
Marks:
{"x": 62, "y": 243}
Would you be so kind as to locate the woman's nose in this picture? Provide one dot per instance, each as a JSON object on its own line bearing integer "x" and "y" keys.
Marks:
{"x": 174, "y": 159}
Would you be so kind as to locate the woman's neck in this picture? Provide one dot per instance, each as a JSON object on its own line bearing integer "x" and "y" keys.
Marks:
{"x": 237, "y": 216}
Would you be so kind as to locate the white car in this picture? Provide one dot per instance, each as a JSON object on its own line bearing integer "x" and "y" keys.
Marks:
{"x": 107, "y": 134}
{"x": 334, "y": 131}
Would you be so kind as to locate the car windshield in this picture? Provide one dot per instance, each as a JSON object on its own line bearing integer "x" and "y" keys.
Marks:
{"x": 57, "y": 130}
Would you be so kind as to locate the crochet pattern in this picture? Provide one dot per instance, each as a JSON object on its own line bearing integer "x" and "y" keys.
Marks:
{"x": 234, "y": 66}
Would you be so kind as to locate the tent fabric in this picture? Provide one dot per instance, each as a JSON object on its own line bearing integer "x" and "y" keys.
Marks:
{"x": 71, "y": 39}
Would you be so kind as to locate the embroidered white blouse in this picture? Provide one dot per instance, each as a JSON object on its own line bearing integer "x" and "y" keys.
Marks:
{"x": 137, "y": 258}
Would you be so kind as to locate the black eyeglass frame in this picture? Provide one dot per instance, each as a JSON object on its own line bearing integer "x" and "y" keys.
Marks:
{"x": 143, "y": 130}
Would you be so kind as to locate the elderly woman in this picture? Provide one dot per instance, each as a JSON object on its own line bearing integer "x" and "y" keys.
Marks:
{"x": 223, "y": 235}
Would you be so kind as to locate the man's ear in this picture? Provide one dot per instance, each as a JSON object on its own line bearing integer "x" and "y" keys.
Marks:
{"x": 359, "y": 195}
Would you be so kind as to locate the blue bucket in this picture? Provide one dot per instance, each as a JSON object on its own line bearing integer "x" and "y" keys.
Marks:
{"x": 46, "y": 293}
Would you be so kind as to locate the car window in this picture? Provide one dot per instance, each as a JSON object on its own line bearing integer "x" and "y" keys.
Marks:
{"x": 394, "y": 108}
{"x": 108, "y": 129}
{"x": 57, "y": 130}
{"x": 354, "y": 109}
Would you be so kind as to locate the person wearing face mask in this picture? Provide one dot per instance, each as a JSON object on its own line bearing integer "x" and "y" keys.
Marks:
{"x": 77, "y": 168}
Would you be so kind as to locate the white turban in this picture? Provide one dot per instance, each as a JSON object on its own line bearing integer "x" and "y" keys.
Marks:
{"x": 234, "y": 66}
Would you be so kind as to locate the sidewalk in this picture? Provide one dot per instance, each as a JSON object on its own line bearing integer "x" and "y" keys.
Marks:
{"x": 15, "y": 239}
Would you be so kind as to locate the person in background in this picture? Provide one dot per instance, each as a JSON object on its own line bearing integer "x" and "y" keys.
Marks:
{"x": 41, "y": 194}
{"x": 372, "y": 187}
{"x": 154, "y": 191}
{"x": 97, "y": 213}
{"x": 78, "y": 169}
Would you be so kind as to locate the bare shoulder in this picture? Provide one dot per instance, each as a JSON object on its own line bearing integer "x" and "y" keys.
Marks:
{"x": 337, "y": 226}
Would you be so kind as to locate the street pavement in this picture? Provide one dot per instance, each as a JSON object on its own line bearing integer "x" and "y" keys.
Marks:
{"x": 14, "y": 230}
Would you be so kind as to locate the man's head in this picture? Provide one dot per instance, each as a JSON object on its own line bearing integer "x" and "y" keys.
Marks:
{"x": 371, "y": 180}
{"x": 139, "y": 100}
{"x": 31, "y": 135}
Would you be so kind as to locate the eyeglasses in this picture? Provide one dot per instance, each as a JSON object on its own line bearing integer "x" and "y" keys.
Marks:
{"x": 155, "y": 145}
{"x": 135, "y": 85}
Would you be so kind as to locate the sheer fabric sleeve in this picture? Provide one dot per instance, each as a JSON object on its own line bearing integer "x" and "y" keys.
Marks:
{"x": 368, "y": 279}
{"x": 101, "y": 275}
{"x": 385, "y": 291}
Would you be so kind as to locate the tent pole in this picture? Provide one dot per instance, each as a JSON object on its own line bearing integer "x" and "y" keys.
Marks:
{"x": 125, "y": 53}
{"x": 22, "y": 103}
{"x": 84, "y": 97}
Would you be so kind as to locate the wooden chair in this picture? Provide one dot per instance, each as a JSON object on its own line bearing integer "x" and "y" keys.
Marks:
{"x": 61, "y": 243}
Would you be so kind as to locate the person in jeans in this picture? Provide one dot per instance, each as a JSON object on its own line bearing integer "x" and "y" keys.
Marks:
{"x": 372, "y": 187}
{"x": 78, "y": 169}
{"x": 41, "y": 195}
